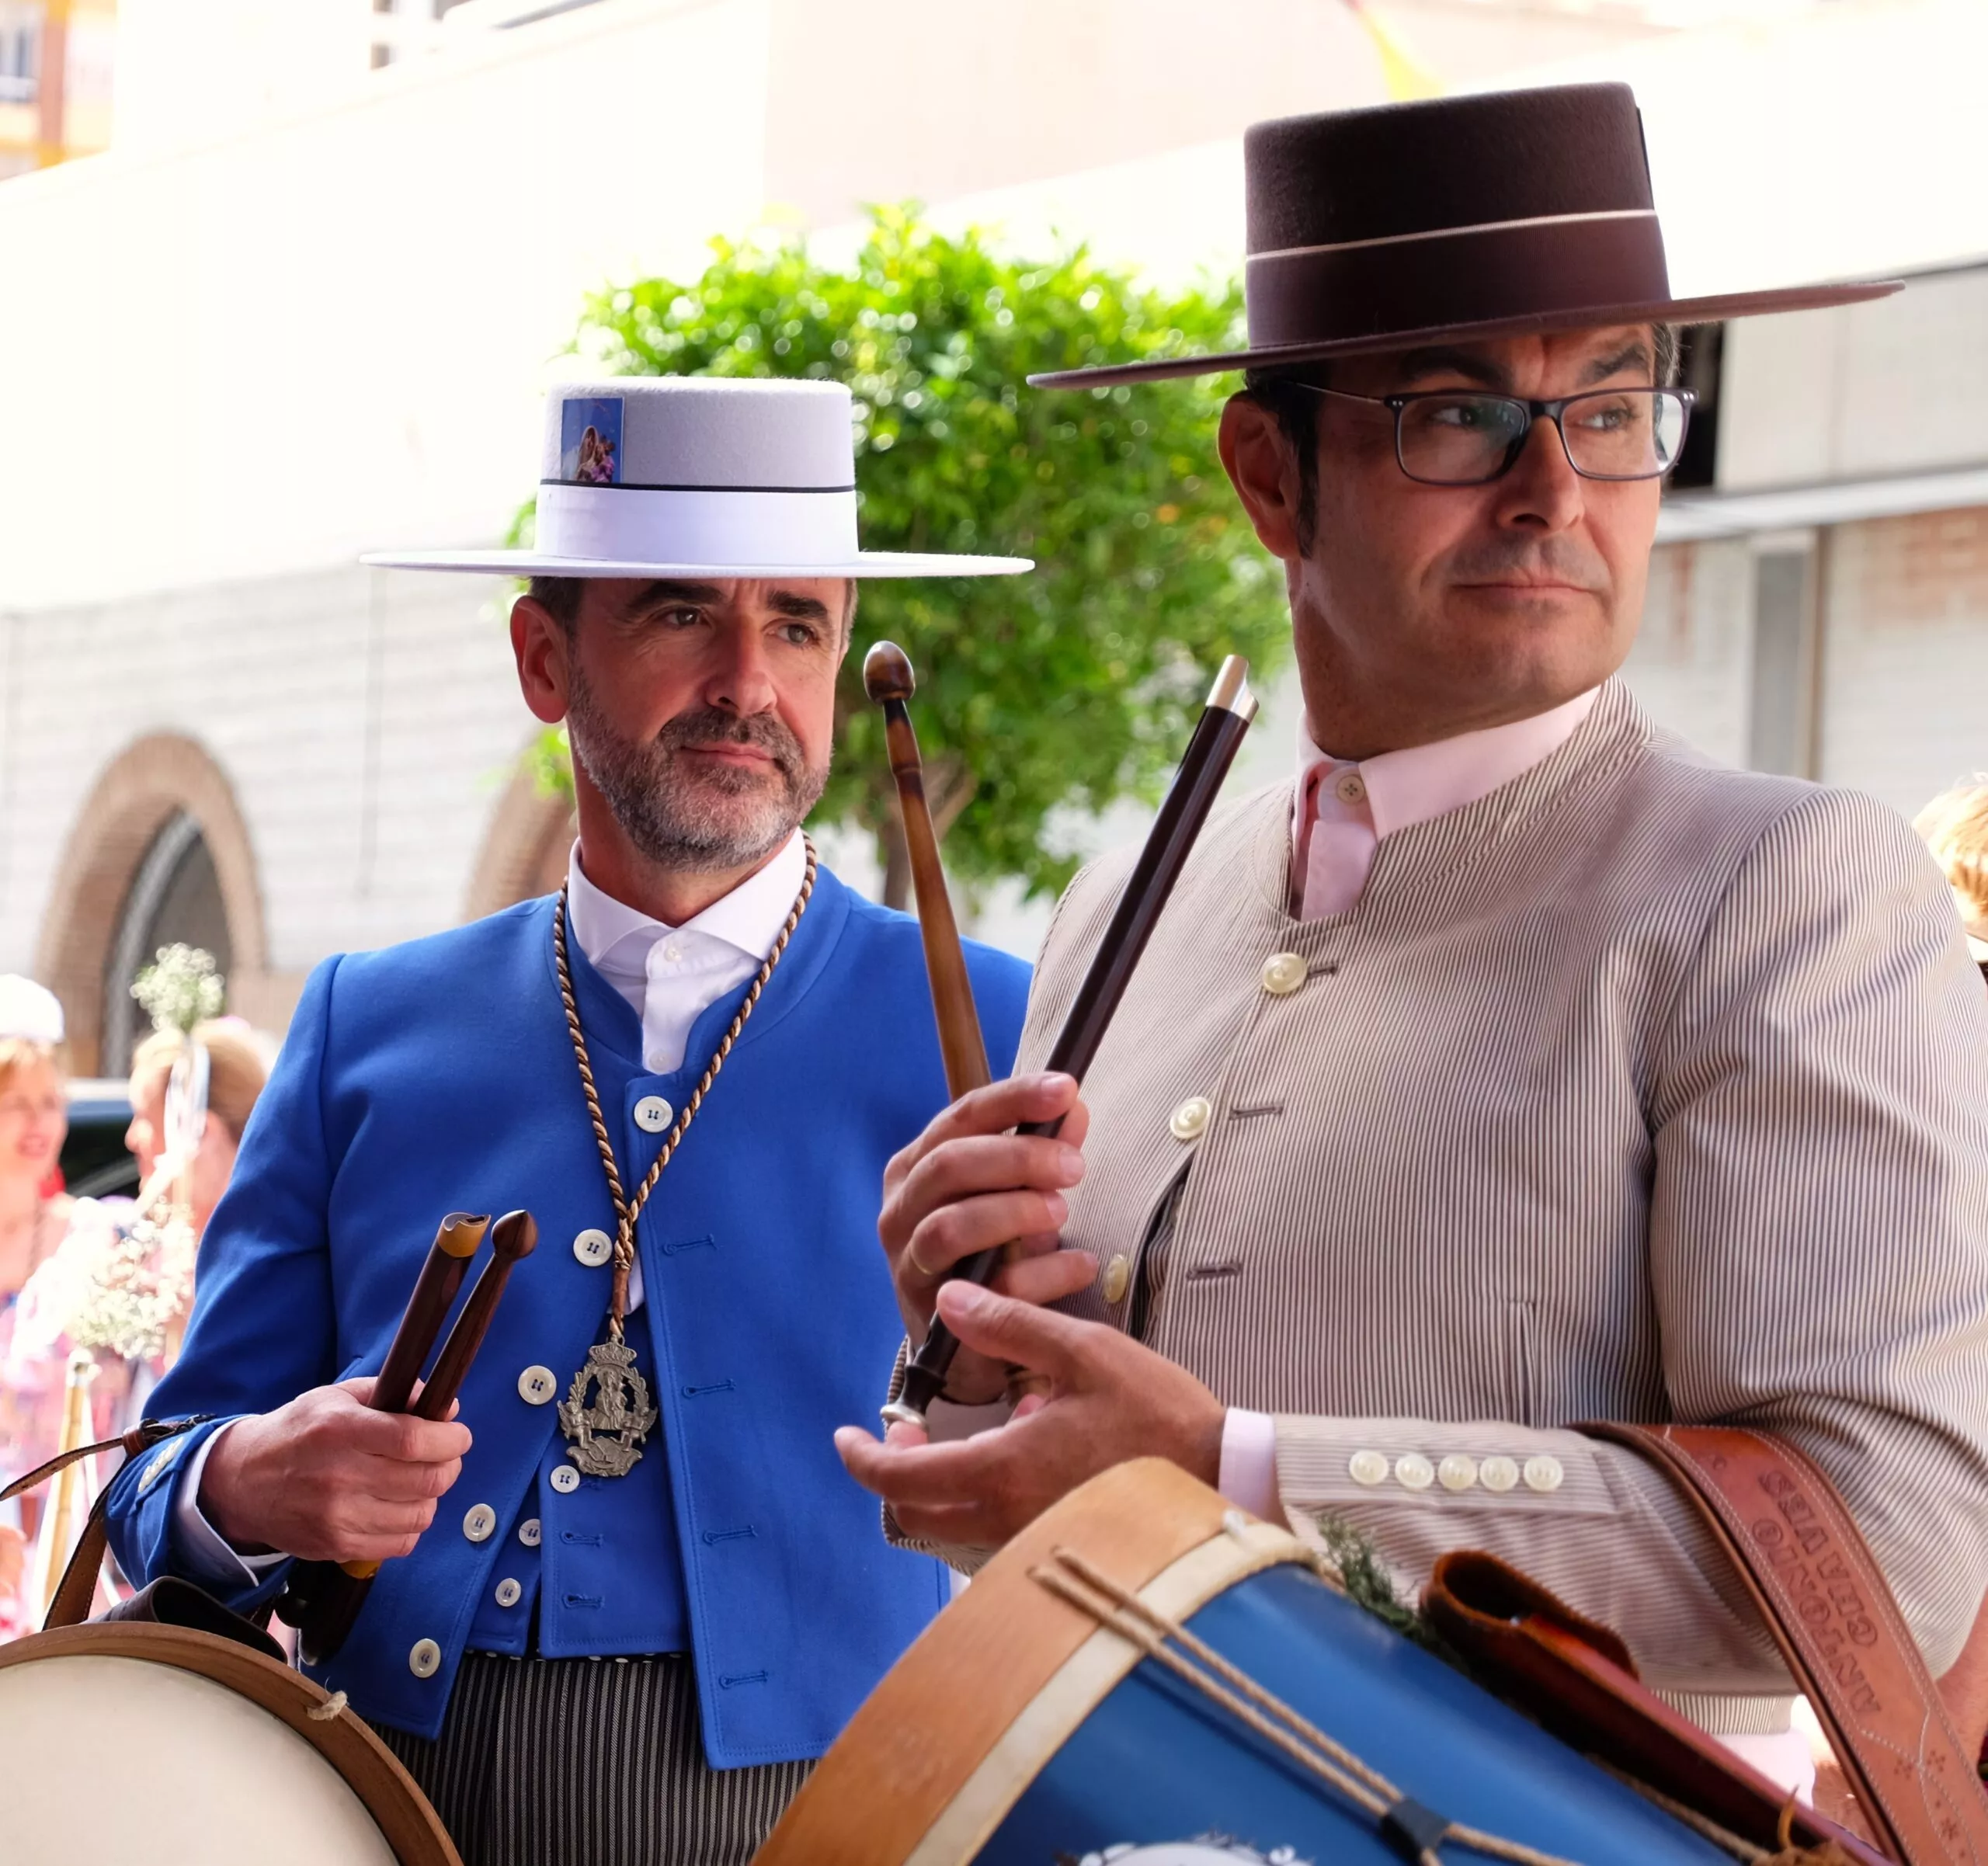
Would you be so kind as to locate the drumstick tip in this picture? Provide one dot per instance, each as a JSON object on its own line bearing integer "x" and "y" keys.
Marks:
{"x": 514, "y": 1235}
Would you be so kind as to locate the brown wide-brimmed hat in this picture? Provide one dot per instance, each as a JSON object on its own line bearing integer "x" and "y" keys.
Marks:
{"x": 1491, "y": 216}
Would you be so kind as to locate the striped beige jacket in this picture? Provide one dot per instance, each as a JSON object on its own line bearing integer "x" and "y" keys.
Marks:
{"x": 1639, "y": 1089}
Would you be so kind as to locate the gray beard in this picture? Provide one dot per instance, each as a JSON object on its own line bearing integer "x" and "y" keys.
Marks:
{"x": 695, "y": 819}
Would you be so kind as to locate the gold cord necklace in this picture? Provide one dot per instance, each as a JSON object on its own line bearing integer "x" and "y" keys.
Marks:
{"x": 605, "y": 1439}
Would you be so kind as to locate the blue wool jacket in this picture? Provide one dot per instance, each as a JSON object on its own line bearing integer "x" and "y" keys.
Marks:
{"x": 438, "y": 1076}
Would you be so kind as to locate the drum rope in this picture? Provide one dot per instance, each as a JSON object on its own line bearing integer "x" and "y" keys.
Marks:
{"x": 1121, "y": 1611}
{"x": 1723, "y": 1838}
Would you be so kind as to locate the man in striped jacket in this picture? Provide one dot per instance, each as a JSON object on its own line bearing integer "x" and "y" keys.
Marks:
{"x": 1515, "y": 1065}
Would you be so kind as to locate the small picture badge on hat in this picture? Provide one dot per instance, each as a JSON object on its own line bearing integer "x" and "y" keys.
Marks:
{"x": 590, "y": 440}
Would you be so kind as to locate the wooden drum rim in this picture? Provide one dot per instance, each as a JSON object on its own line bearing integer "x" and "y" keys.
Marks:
{"x": 409, "y": 1825}
{"x": 916, "y": 1775}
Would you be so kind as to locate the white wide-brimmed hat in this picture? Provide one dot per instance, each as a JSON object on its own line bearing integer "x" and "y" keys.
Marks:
{"x": 698, "y": 476}
{"x": 29, "y": 1010}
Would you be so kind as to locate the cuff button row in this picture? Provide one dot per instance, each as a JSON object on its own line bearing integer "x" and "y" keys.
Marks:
{"x": 1457, "y": 1472}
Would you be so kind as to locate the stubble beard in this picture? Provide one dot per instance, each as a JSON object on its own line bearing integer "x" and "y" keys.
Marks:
{"x": 691, "y": 814}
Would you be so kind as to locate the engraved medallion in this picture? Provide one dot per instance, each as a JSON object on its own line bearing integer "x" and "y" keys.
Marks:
{"x": 607, "y": 1437}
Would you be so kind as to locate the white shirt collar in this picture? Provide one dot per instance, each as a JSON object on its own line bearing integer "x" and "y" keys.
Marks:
{"x": 616, "y": 938}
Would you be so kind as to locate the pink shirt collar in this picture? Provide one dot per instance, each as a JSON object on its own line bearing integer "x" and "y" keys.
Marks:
{"x": 1410, "y": 786}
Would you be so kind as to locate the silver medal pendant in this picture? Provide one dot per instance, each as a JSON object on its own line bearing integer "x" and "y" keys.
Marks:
{"x": 607, "y": 1437}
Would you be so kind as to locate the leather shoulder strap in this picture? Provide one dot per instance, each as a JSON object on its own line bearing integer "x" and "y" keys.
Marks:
{"x": 1827, "y": 1605}
{"x": 77, "y": 1590}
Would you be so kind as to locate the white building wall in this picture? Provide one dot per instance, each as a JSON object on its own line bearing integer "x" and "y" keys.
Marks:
{"x": 365, "y": 722}
{"x": 1691, "y": 665}
{"x": 266, "y": 353}
{"x": 1904, "y": 636}
{"x": 1897, "y": 385}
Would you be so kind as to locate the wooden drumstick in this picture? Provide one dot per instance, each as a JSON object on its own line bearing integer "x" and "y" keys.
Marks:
{"x": 513, "y": 1238}
{"x": 326, "y": 1598}
{"x": 427, "y": 1308}
{"x": 442, "y": 1273}
{"x": 888, "y": 680}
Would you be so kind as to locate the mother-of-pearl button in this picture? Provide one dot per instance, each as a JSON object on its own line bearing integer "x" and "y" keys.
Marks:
{"x": 1117, "y": 1278}
{"x": 566, "y": 1479}
{"x": 479, "y": 1524}
{"x": 537, "y": 1384}
{"x": 1457, "y": 1472}
{"x": 1543, "y": 1473}
{"x": 1368, "y": 1467}
{"x": 530, "y": 1530}
{"x": 426, "y": 1660}
{"x": 1497, "y": 1474}
{"x": 1283, "y": 974}
{"x": 508, "y": 1592}
{"x": 1351, "y": 788}
{"x": 1414, "y": 1471}
{"x": 653, "y": 1113}
{"x": 1190, "y": 1117}
{"x": 593, "y": 1248}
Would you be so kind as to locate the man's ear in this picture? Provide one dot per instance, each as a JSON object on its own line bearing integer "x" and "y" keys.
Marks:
{"x": 1262, "y": 468}
{"x": 543, "y": 648}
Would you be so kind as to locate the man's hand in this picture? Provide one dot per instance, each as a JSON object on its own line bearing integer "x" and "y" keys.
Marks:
{"x": 1109, "y": 1399}
{"x": 327, "y": 1479}
{"x": 967, "y": 1184}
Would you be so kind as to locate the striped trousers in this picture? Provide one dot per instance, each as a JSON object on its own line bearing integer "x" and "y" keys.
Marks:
{"x": 582, "y": 1762}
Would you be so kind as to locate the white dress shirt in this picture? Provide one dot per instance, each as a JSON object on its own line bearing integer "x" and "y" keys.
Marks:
{"x": 670, "y": 977}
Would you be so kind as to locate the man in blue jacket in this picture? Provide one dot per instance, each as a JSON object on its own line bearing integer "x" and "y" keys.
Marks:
{"x": 701, "y": 989}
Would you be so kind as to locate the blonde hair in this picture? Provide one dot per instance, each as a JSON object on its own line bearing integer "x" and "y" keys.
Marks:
{"x": 20, "y": 1053}
{"x": 1954, "y": 825}
{"x": 235, "y": 1074}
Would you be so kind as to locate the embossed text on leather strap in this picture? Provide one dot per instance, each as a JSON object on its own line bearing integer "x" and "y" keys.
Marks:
{"x": 1826, "y": 1601}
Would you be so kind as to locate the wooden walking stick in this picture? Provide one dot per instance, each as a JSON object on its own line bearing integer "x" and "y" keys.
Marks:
{"x": 1217, "y": 738}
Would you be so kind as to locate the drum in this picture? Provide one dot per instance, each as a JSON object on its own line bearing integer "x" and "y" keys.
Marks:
{"x": 160, "y": 1744}
{"x": 1146, "y": 1676}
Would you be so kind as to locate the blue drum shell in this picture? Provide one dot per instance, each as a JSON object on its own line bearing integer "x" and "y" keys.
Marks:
{"x": 1156, "y": 1764}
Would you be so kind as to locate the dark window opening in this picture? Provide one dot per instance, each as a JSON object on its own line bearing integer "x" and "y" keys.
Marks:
{"x": 175, "y": 900}
{"x": 1698, "y": 370}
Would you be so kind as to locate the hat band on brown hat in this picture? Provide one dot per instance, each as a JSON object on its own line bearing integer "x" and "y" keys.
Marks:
{"x": 1539, "y": 267}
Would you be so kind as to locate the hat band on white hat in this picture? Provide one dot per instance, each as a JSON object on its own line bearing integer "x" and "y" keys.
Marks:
{"x": 714, "y": 526}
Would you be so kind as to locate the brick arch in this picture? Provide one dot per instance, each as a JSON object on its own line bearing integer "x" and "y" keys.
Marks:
{"x": 146, "y": 785}
{"x": 524, "y": 851}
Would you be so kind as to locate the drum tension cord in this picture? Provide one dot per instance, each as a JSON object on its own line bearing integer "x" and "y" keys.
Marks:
{"x": 1415, "y": 1831}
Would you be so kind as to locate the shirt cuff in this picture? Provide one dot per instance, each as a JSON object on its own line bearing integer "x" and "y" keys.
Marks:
{"x": 200, "y": 1550}
{"x": 1248, "y": 1476}
{"x": 947, "y": 1422}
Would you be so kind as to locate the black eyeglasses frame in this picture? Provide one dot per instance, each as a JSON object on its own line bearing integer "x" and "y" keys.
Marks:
{"x": 1535, "y": 411}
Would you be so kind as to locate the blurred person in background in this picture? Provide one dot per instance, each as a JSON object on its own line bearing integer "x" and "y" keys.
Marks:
{"x": 1954, "y": 825}
{"x": 99, "y": 1313}
{"x": 235, "y": 1076}
{"x": 35, "y": 1218}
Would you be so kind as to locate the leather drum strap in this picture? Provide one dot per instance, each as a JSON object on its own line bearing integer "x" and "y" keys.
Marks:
{"x": 77, "y": 1590}
{"x": 1826, "y": 1604}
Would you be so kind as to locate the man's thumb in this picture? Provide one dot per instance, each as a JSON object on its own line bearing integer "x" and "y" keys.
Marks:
{"x": 1004, "y": 1329}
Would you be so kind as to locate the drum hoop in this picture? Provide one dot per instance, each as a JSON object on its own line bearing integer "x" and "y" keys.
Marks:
{"x": 412, "y": 1830}
{"x": 956, "y": 1717}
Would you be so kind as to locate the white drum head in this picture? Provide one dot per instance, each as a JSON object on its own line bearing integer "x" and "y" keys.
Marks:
{"x": 124, "y": 1757}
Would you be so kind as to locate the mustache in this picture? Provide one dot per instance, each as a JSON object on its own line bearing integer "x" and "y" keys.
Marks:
{"x": 709, "y": 725}
{"x": 1554, "y": 560}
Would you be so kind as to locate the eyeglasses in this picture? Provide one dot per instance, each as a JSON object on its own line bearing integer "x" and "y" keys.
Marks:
{"x": 1461, "y": 437}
